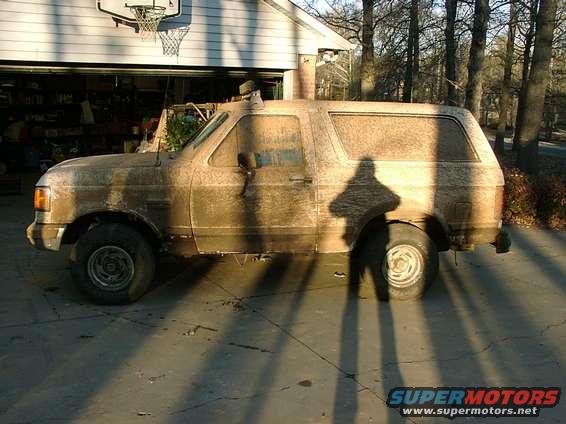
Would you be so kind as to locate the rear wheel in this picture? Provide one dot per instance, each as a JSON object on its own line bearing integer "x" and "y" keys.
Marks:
{"x": 401, "y": 260}
{"x": 112, "y": 264}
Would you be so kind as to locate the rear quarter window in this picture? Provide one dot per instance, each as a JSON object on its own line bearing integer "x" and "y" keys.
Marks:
{"x": 402, "y": 137}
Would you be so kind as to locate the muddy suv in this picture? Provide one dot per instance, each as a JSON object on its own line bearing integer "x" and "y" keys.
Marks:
{"x": 392, "y": 183}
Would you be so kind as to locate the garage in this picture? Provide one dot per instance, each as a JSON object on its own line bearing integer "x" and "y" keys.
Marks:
{"x": 91, "y": 77}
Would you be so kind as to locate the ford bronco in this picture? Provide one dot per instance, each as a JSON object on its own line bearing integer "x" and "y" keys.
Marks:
{"x": 392, "y": 183}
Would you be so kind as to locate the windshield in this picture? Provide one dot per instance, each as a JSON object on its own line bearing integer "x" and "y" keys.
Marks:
{"x": 204, "y": 133}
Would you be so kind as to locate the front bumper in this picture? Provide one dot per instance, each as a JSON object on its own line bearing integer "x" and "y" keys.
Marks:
{"x": 45, "y": 236}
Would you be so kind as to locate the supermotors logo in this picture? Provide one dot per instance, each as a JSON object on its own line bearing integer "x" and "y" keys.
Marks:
{"x": 453, "y": 402}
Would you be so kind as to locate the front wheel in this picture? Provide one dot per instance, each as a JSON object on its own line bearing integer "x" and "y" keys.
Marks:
{"x": 112, "y": 264}
{"x": 401, "y": 260}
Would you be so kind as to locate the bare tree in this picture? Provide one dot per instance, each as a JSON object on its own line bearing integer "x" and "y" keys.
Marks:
{"x": 451, "y": 10}
{"x": 536, "y": 88}
{"x": 476, "y": 58}
{"x": 412, "y": 64}
{"x": 403, "y": 59}
{"x": 505, "y": 98}
{"x": 532, "y": 11}
{"x": 367, "y": 68}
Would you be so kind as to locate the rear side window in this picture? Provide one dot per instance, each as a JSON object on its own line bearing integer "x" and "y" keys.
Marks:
{"x": 402, "y": 137}
{"x": 275, "y": 140}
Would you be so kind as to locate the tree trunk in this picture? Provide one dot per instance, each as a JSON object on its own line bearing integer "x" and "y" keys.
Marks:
{"x": 416, "y": 57}
{"x": 438, "y": 82}
{"x": 525, "y": 73}
{"x": 412, "y": 65}
{"x": 477, "y": 55}
{"x": 367, "y": 70}
{"x": 505, "y": 98}
{"x": 451, "y": 9}
{"x": 536, "y": 87}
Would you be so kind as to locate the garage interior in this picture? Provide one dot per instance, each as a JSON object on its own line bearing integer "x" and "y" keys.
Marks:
{"x": 46, "y": 118}
{"x": 79, "y": 78}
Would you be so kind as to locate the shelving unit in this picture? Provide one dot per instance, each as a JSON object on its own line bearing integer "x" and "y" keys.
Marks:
{"x": 49, "y": 110}
{"x": 43, "y": 111}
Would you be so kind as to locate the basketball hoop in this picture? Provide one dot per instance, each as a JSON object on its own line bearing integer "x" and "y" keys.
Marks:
{"x": 148, "y": 18}
{"x": 171, "y": 40}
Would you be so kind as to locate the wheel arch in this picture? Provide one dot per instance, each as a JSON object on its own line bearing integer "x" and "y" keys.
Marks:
{"x": 83, "y": 223}
{"x": 434, "y": 226}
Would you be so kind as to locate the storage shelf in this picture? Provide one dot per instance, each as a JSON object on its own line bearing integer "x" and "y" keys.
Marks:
{"x": 40, "y": 105}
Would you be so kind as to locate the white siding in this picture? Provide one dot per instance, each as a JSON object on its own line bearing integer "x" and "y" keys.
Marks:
{"x": 223, "y": 33}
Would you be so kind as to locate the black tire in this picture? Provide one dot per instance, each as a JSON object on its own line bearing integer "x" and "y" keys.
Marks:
{"x": 107, "y": 252}
{"x": 405, "y": 241}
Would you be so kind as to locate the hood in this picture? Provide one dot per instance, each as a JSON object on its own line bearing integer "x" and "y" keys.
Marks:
{"x": 126, "y": 160}
{"x": 109, "y": 170}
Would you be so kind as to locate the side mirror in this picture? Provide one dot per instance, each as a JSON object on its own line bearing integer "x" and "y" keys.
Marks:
{"x": 247, "y": 161}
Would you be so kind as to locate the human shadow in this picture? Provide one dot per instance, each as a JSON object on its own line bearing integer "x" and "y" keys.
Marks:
{"x": 363, "y": 199}
{"x": 362, "y": 193}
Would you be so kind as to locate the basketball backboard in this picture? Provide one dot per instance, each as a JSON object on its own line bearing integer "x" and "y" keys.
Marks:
{"x": 120, "y": 9}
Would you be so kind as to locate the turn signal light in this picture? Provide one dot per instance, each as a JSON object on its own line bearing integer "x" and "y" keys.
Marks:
{"x": 42, "y": 199}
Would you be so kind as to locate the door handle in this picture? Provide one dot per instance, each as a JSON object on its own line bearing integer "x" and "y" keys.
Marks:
{"x": 300, "y": 179}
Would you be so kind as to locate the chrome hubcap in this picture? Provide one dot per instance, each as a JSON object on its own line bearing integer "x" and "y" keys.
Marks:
{"x": 403, "y": 265}
{"x": 110, "y": 268}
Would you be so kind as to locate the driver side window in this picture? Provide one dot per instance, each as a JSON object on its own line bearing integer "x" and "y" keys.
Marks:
{"x": 275, "y": 140}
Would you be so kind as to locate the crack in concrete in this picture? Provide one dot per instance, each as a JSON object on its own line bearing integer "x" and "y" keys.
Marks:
{"x": 486, "y": 348}
{"x": 245, "y": 346}
{"x": 353, "y": 376}
{"x": 51, "y": 305}
{"x": 229, "y": 398}
{"x": 530, "y": 283}
{"x": 304, "y": 344}
{"x": 471, "y": 263}
{"x": 99, "y": 314}
{"x": 50, "y": 321}
{"x": 295, "y": 291}
{"x": 125, "y": 318}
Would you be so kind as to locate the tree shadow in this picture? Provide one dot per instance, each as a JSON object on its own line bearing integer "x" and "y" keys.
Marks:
{"x": 456, "y": 341}
{"x": 362, "y": 188}
{"x": 84, "y": 345}
{"x": 92, "y": 364}
{"x": 476, "y": 318}
{"x": 544, "y": 264}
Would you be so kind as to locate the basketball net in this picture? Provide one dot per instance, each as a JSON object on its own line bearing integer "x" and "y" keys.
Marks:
{"x": 148, "y": 19}
{"x": 171, "y": 40}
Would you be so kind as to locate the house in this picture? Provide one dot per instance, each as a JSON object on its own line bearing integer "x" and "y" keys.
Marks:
{"x": 228, "y": 38}
{"x": 76, "y": 77}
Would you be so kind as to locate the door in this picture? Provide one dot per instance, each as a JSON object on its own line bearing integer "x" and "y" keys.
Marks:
{"x": 272, "y": 207}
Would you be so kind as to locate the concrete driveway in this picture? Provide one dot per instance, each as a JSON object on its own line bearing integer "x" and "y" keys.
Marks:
{"x": 274, "y": 341}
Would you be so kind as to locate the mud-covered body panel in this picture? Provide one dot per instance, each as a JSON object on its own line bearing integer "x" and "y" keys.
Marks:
{"x": 464, "y": 197}
{"x": 136, "y": 185}
{"x": 322, "y": 204}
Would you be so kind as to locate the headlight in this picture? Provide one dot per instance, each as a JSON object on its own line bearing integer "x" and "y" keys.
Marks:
{"x": 42, "y": 199}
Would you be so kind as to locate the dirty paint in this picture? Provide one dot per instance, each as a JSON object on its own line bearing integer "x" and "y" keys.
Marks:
{"x": 313, "y": 188}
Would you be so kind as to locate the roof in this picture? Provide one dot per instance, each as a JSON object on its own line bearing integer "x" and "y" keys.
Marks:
{"x": 353, "y": 106}
{"x": 464, "y": 117}
{"x": 232, "y": 36}
{"x": 332, "y": 39}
